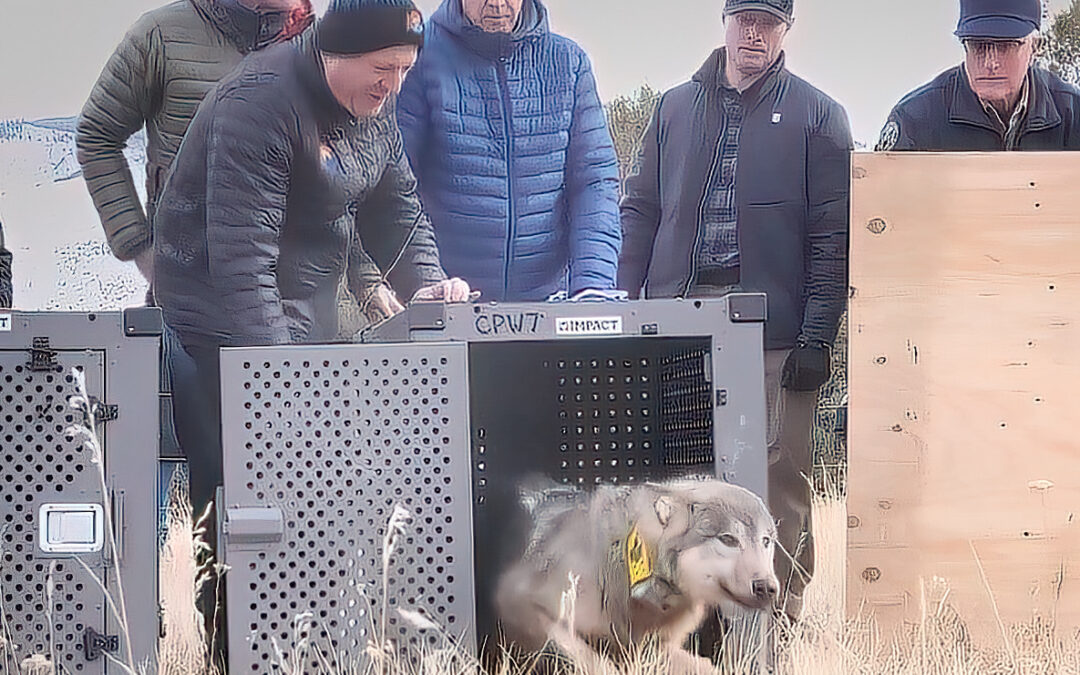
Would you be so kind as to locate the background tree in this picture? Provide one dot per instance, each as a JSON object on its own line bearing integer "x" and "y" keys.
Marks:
{"x": 628, "y": 117}
{"x": 1060, "y": 49}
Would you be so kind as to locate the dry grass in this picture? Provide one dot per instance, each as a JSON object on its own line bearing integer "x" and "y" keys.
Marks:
{"x": 184, "y": 649}
{"x": 825, "y": 641}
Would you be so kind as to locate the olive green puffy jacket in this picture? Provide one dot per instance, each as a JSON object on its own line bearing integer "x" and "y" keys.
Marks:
{"x": 156, "y": 78}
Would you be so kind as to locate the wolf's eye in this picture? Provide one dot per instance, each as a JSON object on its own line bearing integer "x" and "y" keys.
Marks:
{"x": 729, "y": 541}
{"x": 766, "y": 542}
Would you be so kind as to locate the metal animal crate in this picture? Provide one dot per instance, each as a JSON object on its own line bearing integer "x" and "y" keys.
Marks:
{"x": 443, "y": 410}
{"x": 54, "y": 493}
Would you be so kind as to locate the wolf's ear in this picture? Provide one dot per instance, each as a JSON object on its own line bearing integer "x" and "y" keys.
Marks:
{"x": 664, "y": 507}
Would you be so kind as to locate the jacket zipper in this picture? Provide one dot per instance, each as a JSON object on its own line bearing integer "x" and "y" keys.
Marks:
{"x": 511, "y": 231}
{"x": 701, "y": 211}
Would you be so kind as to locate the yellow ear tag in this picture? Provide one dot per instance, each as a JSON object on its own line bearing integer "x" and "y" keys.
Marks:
{"x": 637, "y": 558}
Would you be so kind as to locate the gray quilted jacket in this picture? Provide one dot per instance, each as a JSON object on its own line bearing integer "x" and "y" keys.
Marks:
{"x": 272, "y": 186}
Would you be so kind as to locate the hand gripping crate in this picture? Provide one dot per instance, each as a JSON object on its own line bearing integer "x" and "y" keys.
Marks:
{"x": 442, "y": 410}
{"x": 56, "y": 490}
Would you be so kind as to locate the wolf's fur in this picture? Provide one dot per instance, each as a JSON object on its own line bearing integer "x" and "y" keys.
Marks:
{"x": 710, "y": 546}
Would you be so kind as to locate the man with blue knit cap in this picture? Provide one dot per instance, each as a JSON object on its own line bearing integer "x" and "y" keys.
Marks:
{"x": 998, "y": 98}
{"x": 510, "y": 145}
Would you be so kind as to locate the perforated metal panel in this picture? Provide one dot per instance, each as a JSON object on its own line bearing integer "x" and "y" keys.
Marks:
{"x": 686, "y": 404}
{"x": 726, "y": 382}
{"x": 581, "y": 412}
{"x": 41, "y": 464}
{"x": 333, "y": 438}
{"x": 51, "y": 602}
{"x": 324, "y": 440}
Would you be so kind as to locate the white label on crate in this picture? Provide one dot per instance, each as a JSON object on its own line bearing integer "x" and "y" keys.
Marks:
{"x": 5, "y": 323}
{"x": 576, "y": 327}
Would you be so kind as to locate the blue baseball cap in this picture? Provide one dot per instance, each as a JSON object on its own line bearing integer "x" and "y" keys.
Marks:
{"x": 782, "y": 9}
{"x": 999, "y": 19}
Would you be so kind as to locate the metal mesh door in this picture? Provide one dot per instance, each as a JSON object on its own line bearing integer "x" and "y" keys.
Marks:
{"x": 48, "y": 603}
{"x": 332, "y": 439}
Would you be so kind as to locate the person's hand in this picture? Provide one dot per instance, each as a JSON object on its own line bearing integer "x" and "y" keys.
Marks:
{"x": 807, "y": 367}
{"x": 145, "y": 262}
{"x": 452, "y": 291}
{"x": 383, "y": 303}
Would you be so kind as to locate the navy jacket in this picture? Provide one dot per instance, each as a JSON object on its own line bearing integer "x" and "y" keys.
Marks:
{"x": 946, "y": 115}
{"x": 513, "y": 156}
{"x": 792, "y": 196}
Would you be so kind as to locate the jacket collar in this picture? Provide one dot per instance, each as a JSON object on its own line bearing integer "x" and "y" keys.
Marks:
{"x": 329, "y": 112}
{"x": 533, "y": 24}
{"x": 964, "y": 106}
{"x": 249, "y": 29}
{"x": 313, "y": 75}
{"x": 711, "y": 77}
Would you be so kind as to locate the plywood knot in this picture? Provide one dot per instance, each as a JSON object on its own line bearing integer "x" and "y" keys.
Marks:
{"x": 877, "y": 226}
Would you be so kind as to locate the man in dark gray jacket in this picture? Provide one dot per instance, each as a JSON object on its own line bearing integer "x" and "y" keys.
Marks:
{"x": 285, "y": 159}
{"x": 743, "y": 184}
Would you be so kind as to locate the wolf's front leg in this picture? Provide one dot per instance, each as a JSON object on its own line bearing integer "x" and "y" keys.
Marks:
{"x": 586, "y": 659}
{"x": 682, "y": 662}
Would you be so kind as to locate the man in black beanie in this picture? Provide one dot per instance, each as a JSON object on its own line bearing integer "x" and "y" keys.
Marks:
{"x": 285, "y": 159}
{"x": 743, "y": 184}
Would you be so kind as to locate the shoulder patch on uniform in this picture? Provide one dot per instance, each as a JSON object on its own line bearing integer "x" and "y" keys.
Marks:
{"x": 889, "y": 136}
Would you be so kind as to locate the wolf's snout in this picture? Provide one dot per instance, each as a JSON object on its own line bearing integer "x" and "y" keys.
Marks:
{"x": 764, "y": 589}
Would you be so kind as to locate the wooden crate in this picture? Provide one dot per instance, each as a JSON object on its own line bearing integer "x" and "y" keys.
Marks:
{"x": 965, "y": 387}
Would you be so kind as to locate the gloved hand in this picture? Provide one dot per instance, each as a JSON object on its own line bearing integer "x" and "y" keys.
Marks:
{"x": 807, "y": 367}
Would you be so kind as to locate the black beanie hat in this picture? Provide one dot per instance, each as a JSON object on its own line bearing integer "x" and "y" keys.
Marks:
{"x": 362, "y": 26}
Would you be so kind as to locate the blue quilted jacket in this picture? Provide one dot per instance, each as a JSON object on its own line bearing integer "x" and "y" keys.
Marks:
{"x": 516, "y": 167}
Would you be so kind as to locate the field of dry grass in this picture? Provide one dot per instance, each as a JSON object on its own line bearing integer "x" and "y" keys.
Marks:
{"x": 824, "y": 641}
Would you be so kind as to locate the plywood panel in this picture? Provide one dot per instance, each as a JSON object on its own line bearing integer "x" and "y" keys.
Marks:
{"x": 964, "y": 380}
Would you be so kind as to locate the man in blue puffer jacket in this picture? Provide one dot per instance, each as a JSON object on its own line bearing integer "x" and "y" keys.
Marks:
{"x": 506, "y": 135}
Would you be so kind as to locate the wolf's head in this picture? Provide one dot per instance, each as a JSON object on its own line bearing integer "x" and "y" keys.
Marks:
{"x": 725, "y": 554}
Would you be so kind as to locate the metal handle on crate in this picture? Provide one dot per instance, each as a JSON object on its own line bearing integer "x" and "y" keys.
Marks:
{"x": 253, "y": 526}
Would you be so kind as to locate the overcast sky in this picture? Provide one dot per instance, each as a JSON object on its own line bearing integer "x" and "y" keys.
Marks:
{"x": 865, "y": 53}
